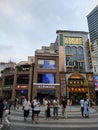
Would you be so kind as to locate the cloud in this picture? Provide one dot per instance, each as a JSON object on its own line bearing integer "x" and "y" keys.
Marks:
{"x": 6, "y": 48}
{"x": 26, "y": 25}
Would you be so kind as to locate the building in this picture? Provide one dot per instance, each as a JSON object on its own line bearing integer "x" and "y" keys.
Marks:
{"x": 92, "y": 19}
{"x": 62, "y": 69}
{"x": 46, "y": 73}
{"x": 23, "y": 79}
{"x": 7, "y": 67}
{"x": 95, "y": 56}
{"x": 95, "y": 66}
{"x": 4, "y": 65}
{"x": 17, "y": 81}
{"x": 75, "y": 64}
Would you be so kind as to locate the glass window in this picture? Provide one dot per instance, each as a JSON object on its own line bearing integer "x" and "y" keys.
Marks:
{"x": 47, "y": 64}
{"x": 80, "y": 53}
{"x": 47, "y": 78}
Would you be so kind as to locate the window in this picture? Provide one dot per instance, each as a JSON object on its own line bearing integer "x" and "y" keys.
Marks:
{"x": 23, "y": 79}
{"x": 47, "y": 64}
{"x": 9, "y": 80}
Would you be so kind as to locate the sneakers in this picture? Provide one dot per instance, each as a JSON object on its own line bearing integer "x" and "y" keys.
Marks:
{"x": 1, "y": 125}
{"x": 9, "y": 124}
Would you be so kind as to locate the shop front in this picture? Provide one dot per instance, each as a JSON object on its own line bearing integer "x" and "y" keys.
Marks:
{"x": 42, "y": 94}
{"x": 46, "y": 90}
{"x": 21, "y": 90}
{"x": 77, "y": 88}
{"x": 7, "y": 91}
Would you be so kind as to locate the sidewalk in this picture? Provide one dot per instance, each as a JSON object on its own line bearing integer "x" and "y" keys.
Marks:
{"x": 73, "y": 119}
{"x": 73, "y": 108}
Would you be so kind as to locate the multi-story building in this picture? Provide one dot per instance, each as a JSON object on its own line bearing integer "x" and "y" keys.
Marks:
{"x": 7, "y": 81}
{"x": 17, "y": 82}
{"x": 23, "y": 79}
{"x": 75, "y": 64}
{"x": 7, "y": 67}
{"x": 95, "y": 66}
{"x": 93, "y": 24}
{"x": 4, "y": 65}
{"x": 62, "y": 69}
{"x": 46, "y": 73}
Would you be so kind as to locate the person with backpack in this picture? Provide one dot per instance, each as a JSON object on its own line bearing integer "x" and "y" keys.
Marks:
{"x": 1, "y": 111}
{"x": 6, "y": 111}
{"x": 32, "y": 106}
{"x": 36, "y": 110}
{"x": 26, "y": 108}
{"x": 63, "y": 103}
{"x": 55, "y": 108}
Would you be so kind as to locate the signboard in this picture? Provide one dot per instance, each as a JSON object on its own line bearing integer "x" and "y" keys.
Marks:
{"x": 73, "y": 40}
{"x": 46, "y": 86}
{"x": 96, "y": 82}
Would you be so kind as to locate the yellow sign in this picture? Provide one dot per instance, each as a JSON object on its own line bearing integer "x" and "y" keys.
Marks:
{"x": 73, "y": 40}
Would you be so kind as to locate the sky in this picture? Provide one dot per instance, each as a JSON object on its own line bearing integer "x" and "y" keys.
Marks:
{"x": 27, "y": 25}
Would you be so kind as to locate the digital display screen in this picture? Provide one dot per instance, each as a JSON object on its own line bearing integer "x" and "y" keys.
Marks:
{"x": 47, "y": 78}
{"x": 96, "y": 81}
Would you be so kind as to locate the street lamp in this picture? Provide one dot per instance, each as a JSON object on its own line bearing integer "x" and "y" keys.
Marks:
{"x": 32, "y": 80}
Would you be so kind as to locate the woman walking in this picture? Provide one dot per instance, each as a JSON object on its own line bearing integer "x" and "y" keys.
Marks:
{"x": 26, "y": 107}
{"x": 36, "y": 110}
{"x": 48, "y": 110}
{"x": 1, "y": 111}
{"x": 86, "y": 110}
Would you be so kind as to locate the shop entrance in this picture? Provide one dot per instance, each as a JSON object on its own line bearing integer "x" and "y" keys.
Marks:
{"x": 77, "y": 87}
{"x": 20, "y": 93}
{"x": 41, "y": 94}
{"x": 76, "y": 97}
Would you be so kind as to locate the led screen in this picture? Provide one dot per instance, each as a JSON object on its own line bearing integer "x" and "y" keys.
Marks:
{"x": 96, "y": 81}
{"x": 47, "y": 78}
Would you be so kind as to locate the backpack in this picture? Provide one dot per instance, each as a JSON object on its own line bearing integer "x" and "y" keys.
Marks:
{"x": 32, "y": 104}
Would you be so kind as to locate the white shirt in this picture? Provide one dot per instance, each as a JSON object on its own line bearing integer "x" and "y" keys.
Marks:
{"x": 26, "y": 105}
{"x": 81, "y": 102}
{"x": 36, "y": 106}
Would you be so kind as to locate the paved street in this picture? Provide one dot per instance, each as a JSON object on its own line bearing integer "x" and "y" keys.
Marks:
{"x": 74, "y": 121}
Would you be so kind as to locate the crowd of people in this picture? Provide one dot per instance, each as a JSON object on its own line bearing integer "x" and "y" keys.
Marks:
{"x": 35, "y": 106}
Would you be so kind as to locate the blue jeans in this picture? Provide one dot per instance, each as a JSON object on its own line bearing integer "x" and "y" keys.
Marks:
{"x": 55, "y": 112}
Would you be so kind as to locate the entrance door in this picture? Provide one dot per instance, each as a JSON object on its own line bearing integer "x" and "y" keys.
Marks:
{"x": 76, "y": 97}
{"x": 41, "y": 94}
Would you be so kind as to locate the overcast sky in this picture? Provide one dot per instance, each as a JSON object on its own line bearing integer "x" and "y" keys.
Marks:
{"x": 27, "y": 25}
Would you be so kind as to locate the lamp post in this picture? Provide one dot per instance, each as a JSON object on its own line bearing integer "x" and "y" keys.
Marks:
{"x": 32, "y": 79}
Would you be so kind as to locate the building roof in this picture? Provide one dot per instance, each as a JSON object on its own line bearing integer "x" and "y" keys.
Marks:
{"x": 70, "y": 31}
{"x": 96, "y": 8}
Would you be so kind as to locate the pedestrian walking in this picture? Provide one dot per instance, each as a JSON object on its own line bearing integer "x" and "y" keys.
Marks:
{"x": 32, "y": 106}
{"x": 1, "y": 111}
{"x": 55, "y": 108}
{"x": 86, "y": 109}
{"x": 82, "y": 106}
{"x": 45, "y": 106}
{"x": 36, "y": 110}
{"x": 48, "y": 106}
{"x": 63, "y": 103}
{"x": 6, "y": 112}
{"x": 68, "y": 106}
{"x": 26, "y": 108}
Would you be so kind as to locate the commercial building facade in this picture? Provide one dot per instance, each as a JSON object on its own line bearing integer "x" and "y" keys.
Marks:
{"x": 95, "y": 66}
{"x": 62, "y": 69}
{"x": 75, "y": 65}
{"x": 46, "y": 74}
{"x": 93, "y": 24}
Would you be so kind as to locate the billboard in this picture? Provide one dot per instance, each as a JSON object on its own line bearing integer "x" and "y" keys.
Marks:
{"x": 96, "y": 81}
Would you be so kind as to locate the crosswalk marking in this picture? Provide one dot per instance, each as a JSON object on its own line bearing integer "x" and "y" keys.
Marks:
{"x": 74, "y": 120}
